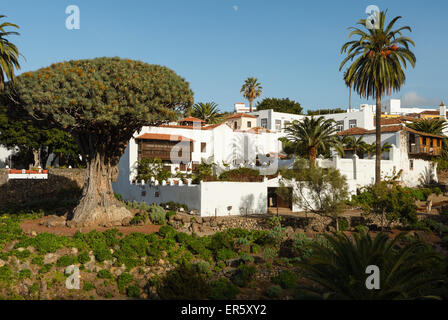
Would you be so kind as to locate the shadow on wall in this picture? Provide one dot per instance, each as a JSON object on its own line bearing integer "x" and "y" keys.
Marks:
{"x": 57, "y": 195}
{"x": 427, "y": 177}
{"x": 248, "y": 205}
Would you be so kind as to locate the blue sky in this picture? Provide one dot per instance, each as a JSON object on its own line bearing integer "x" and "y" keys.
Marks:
{"x": 292, "y": 47}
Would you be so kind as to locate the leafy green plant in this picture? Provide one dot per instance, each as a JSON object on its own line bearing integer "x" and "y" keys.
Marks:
{"x": 157, "y": 215}
{"x": 66, "y": 261}
{"x": 241, "y": 175}
{"x": 123, "y": 280}
{"x": 133, "y": 292}
{"x": 104, "y": 274}
{"x": 274, "y": 292}
{"x": 340, "y": 269}
{"x": 243, "y": 275}
{"x": 286, "y": 279}
{"x": 223, "y": 289}
{"x": 184, "y": 283}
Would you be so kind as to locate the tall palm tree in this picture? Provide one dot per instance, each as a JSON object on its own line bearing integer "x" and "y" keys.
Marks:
{"x": 206, "y": 111}
{"x": 9, "y": 54}
{"x": 251, "y": 90}
{"x": 378, "y": 58}
{"x": 339, "y": 267}
{"x": 432, "y": 126}
{"x": 312, "y": 134}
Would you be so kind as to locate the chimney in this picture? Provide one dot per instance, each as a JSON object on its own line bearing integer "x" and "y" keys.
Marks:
{"x": 442, "y": 110}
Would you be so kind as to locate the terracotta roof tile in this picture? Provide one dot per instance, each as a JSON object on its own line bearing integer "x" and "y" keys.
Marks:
{"x": 353, "y": 131}
{"x": 192, "y": 119}
{"x": 161, "y": 136}
{"x": 241, "y": 115}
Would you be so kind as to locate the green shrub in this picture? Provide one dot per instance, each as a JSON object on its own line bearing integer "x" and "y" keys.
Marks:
{"x": 246, "y": 258}
{"x": 5, "y": 274}
{"x": 170, "y": 214}
{"x": 39, "y": 261}
{"x": 343, "y": 224}
{"x": 225, "y": 254}
{"x": 361, "y": 229}
{"x": 243, "y": 275}
{"x": 255, "y": 248}
{"x": 24, "y": 274}
{"x": 88, "y": 286}
{"x": 133, "y": 292}
{"x": 274, "y": 292}
{"x": 183, "y": 283}
{"x": 167, "y": 232}
{"x": 123, "y": 280}
{"x": 270, "y": 253}
{"x": 34, "y": 288}
{"x": 182, "y": 237}
{"x": 46, "y": 268}
{"x": 83, "y": 257}
{"x": 139, "y": 218}
{"x": 221, "y": 240}
{"x": 286, "y": 279}
{"x": 118, "y": 197}
{"x": 66, "y": 261}
{"x": 102, "y": 253}
{"x": 241, "y": 175}
{"x": 104, "y": 274}
{"x": 157, "y": 215}
{"x": 223, "y": 289}
{"x": 21, "y": 254}
{"x": 203, "y": 267}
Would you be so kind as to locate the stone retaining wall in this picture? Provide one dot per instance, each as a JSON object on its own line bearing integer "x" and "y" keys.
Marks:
{"x": 60, "y": 181}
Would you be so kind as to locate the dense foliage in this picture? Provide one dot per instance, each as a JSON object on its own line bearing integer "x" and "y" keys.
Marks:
{"x": 280, "y": 105}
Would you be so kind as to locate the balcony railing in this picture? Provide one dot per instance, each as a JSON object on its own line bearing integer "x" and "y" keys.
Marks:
{"x": 428, "y": 150}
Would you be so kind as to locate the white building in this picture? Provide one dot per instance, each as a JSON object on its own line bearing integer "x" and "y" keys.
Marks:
{"x": 182, "y": 146}
{"x": 240, "y": 107}
{"x": 277, "y": 121}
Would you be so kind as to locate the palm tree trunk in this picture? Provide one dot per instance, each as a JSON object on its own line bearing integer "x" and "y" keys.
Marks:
{"x": 250, "y": 105}
{"x": 312, "y": 155}
{"x": 378, "y": 140}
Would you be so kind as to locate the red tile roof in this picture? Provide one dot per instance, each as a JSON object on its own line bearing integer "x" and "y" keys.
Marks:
{"x": 191, "y": 119}
{"x": 258, "y": 130}
{"x": 394, "y": 128}
{"x": 353, "y": 131}
{"x": 161, "y": 136}
{"x": 207, "y": 127}
{"x": 399, "y": 120}
{"x": 403, "y": 128}
{"x": 241, "y": 115}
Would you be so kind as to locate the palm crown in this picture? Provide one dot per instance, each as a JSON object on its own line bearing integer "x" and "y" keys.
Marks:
{"x": 312, "y": 134}
{"x": 251, "y": 90}
{"x": 379, "y": 58}
{"x": 206, "y": 111}
{"x": 9, "y": 54}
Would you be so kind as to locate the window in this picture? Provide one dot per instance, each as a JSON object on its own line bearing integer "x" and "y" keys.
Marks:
{"x": 203, "y": 147}
{"x": 411, "y": 165}
{"x": 249, "y": 124}
{"x": 352, "y": 123}
{"x": 157, "y": 194}
{"x": 235, "y": 125}
{"x": 278, "y": 125}
{"x": 264, "y": 123}
{"x": 183, "y": 167}
{"x": 340, "y": 125}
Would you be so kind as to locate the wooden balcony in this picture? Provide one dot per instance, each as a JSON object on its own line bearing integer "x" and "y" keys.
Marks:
{"x": 425, "y": 150}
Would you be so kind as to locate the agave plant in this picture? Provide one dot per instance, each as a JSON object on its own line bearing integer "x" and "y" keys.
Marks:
{"x": 339, "y": 268}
